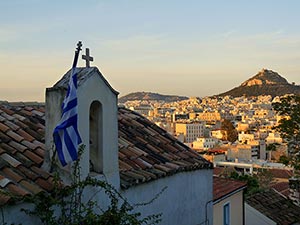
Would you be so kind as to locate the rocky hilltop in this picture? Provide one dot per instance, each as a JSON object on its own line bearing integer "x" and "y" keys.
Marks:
{"x": 265, "y": 82}
{"x": 151, "y": 96}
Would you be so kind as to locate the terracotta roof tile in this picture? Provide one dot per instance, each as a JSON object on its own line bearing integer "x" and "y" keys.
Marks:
{"x": 40, "y": 152}
{"x": 28, "y": 108}
{"x": 28, "y": 173}
{"x": 8, "y": 148}
{"x": 33, "y": 133}
{"x": 25, "y": 113}
{"x": 11, "y": 125}
{"x": 29, "y": 145}
{"x": 12, "y": 161}
{"x": 138, "y": 177}
{"x": 224, "y": 187}
{"x": 23, "y": 159}
{"x": 157, "y": 172}
{"x": 124, "y": 166}
{"x": 145, "y": 174}
{"x": 2, "y": 118}
{"x": 121, "y": 155}
{"x": 4, "y": 181}
{"x": 142, "y": 164}
{"x": 172, "y": 165}
{"x": 33, "y": 126}
{"x": 41, "y": 172}
{"x": 32, "y": 188}
{"x": 25, "y": 135}
{"x": 162, "y": 168}
{"x": 148, "y": 174}
{"x": 21, "y": 124}
{"x": 38, "y": 113}
{"x": 46, "y": 185}
{"x": 150, "y": 159}
{"x": 6, "y": 116}
{"x": 38, "y": 143}
{"x": 3, "y": 127}
{"x": 4, "y": 137}
{"x": 34, "y": 157}
{"x": 16, "y": 190}
{"x": 14, "y": 136}
{"x": 132, "y": 163}
{"x": 19, "y": 117}
{"x": 2, "y": 151}
{"x": 7, "y": 111}
{"x": 17, "y": 146}
{"x": 12, "y": 175}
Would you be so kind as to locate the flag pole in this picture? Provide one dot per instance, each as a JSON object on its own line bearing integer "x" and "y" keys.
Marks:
{"x": 78, "y": 49}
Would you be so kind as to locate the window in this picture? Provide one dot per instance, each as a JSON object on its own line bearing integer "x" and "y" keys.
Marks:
{"x": 226, "y": 214}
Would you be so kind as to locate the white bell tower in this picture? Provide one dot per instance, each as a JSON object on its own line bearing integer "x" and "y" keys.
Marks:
{"x": 97, "y": 124}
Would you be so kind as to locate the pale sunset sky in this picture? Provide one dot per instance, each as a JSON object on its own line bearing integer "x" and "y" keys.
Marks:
{"x": 190, "y": 48}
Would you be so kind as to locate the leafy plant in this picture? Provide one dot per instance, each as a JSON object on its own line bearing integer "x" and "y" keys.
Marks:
{"x": 252, "y": 182}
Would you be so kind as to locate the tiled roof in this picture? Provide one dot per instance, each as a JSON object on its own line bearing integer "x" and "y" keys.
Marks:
{"x": 223, "y": 187}
{"x": 281, "y": 173}
{"x": 146, "y": 152}
{"x": 218, "y": 171}
{"x": 223, "y": 171}
{"x": 281, "y": 187}
{"x": 273, "y": 205}
{"x": 22, "y": 151}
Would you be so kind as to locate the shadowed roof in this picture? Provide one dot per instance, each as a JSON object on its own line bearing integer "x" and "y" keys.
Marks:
{"x": 276, "y": 207}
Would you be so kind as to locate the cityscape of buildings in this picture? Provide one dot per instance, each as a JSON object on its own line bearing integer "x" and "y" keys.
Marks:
{"x": 197, "y": 122}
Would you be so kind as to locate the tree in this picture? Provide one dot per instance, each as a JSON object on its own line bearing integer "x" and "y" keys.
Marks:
{"x": 284, "y": 160}
{"x": 252, "y": 182}
{"x": 231, "y": 133}
{"x": 289, "y": 126}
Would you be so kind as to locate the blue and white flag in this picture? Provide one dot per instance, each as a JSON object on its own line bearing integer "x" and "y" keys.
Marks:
{"x": 66, "y": 136}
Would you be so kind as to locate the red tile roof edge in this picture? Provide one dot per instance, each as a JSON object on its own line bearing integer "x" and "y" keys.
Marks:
{"x": 237, "y": 186}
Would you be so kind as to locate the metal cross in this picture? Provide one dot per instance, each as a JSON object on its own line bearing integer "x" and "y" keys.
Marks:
{"x": 79, "y": 45}
{"x": 87, "y": 57}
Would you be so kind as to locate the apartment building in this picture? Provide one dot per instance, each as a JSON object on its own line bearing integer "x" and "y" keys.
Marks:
{"x": 190, "y": 130}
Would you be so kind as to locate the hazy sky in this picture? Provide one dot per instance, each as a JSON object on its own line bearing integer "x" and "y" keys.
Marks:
{"x": 191, "y": 48}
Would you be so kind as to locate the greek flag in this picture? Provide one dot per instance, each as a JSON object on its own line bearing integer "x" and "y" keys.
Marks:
{"x": 66, "y": 136}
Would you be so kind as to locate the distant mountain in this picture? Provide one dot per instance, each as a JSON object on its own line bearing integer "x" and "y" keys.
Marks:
{"x": 151, "y": 96}
{"x": 265, "y": 82}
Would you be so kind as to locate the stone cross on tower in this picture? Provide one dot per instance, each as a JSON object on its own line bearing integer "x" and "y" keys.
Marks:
{"x": 87, "y": 57}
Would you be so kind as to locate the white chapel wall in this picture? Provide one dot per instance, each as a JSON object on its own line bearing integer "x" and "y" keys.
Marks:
{"x": 184, "y": 200}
